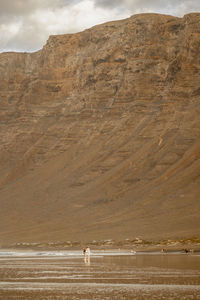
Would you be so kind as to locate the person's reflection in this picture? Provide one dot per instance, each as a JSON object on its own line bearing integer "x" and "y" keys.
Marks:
{"x": 87, "y": 260}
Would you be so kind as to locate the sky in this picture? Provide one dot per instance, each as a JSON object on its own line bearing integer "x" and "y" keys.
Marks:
{"x": 25, "y": 25}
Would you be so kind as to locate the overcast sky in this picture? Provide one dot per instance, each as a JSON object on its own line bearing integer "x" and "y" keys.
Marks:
{"x": 26, "y": 24}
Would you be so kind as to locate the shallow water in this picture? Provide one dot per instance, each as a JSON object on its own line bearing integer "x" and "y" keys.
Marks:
{"x": 107, "y": 275}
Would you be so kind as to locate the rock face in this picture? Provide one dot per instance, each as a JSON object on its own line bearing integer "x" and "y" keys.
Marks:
{"x": 100, "y": 133}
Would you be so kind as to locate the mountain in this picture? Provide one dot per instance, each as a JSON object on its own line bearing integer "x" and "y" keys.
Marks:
{"x": 100, "y": 133}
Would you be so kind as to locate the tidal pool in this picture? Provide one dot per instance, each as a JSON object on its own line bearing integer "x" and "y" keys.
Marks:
{"x": 106, "y": 275}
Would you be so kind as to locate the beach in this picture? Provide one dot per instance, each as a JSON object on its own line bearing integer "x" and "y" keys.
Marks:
{"x": 110, "y": 274}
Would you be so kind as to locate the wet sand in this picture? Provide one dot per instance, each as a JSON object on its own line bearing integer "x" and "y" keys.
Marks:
{"x": 114, "y": 275}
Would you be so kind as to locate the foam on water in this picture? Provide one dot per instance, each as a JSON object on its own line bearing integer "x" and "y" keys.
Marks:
{"x": 76, "y": 253}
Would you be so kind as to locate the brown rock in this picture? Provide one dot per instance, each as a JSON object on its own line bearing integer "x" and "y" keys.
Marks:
{"x": 100, "y": 133}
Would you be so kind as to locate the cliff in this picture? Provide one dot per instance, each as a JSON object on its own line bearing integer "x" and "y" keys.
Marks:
{"x": 100, "y": 133}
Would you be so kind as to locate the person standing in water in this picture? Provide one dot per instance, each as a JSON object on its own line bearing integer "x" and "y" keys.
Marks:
{"x": 87, "y": 253}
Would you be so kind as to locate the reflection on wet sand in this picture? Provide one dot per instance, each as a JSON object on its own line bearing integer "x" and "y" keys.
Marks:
{"x": 87, "y": 260}
{"x": 98, "y": 276}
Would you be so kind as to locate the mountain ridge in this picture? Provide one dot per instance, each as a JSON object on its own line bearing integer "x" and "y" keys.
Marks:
{"x": 100, "y": 134}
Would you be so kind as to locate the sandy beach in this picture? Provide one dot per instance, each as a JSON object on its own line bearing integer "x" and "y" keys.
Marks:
{"x": 106, "y": 275}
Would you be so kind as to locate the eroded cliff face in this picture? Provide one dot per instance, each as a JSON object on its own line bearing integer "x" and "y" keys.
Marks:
{"x": 100, "y": 133}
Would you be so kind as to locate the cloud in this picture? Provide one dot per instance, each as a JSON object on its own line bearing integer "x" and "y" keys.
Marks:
{"x": 26, "y": 24}
{"x": 19, "y": 7}
{"x": 153, "y": 5}
{"x": 27, "y": 29}
{"x": 24, "y": 7}
{"x": 174, "y": 7}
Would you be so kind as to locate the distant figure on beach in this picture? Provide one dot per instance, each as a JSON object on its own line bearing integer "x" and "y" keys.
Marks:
{"x": 88, "y": 252}
{"x": 186, "y": 251}
{"x": 163, "y": 250}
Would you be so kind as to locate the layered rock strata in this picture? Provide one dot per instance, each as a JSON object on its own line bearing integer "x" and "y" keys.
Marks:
{"x": 100, "y": 133}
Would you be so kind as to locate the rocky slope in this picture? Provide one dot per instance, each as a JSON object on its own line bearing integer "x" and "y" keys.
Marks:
{"x": 100, "y": 133}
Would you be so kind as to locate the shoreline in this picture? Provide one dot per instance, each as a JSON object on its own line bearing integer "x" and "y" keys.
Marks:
{"x": 107, "y": 250}
{"x": 189, "y": 245}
